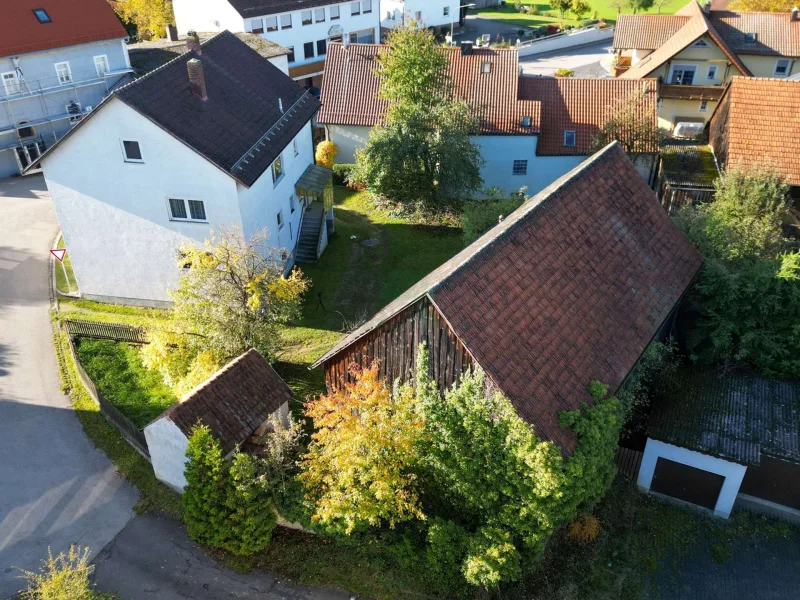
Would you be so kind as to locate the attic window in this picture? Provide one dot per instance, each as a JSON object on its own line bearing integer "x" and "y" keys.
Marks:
{"x": 486, "y": 67}
{"x": 701, "y": 43}
{"x": 526, "y": 121}
{"x": 41, "y": 15}
{"x": 750, "y": 38}
{"x": 569, "y": 138}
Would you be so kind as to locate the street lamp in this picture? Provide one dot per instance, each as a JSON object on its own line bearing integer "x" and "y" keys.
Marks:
{"x": 453, "y": 19}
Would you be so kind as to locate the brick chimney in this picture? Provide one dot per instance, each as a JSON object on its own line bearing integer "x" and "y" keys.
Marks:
{"x": 193, "y": 43}
{"x": 707, "y": 7}
{"x": 197, "y": 78}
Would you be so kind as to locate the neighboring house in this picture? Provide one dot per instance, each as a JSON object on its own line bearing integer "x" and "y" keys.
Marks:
{"x": 695, "y": 51}
{"x": 57, "y": 60}
{"x": 757, "y": 122}
{"x": 235, "y": 403}
{"x": 722, "y": 439}
{"x": 146, "y": 56}
{"x": 304, "y": 27}
{"x": 439, "y": 14}
{"x": 532, "y": 130}
{"x": 568, "y": 289}
{"x": 218, "y": 137}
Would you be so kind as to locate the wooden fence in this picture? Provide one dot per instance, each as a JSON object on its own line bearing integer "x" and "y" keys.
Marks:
{"x": 628, "y": 462}
{"x": 132, "y": 434}
{"x": 106, "y": 331}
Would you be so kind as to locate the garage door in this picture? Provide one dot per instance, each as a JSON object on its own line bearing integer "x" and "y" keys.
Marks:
{"x": 686, "y": 483}
{"x": 775, "y": 480}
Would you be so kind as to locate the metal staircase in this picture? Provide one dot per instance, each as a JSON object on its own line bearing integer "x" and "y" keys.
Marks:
{"x": 310, "y": 232}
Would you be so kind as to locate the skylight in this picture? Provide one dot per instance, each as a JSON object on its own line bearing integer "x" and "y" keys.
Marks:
{"x": 41, "y": 15}
{"x": 750, "y": 37}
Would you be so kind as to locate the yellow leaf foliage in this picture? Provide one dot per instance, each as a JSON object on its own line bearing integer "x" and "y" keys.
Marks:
{"x": 586, "y": 529}
{"x": 326, "y": 153}
{"x": 151, "y": 17}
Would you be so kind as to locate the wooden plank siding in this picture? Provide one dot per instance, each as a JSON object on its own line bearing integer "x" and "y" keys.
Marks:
{"x": 395, "y": 344}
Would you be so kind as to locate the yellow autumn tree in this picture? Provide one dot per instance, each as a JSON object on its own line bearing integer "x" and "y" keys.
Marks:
{"x": 151, "y": 17}
{"x": 360, "y": 466}
{"x": 326, "y": 153}
{"x": 763, "y": 5}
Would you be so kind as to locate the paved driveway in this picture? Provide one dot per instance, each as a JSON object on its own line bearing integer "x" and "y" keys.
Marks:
{"x": 56, "y": 488}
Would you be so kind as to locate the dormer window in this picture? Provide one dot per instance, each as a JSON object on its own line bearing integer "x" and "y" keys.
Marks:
{"x": 41, "y": 15}
{"x": 526, "y": 121}
{"x": 569, "y": 138}
{"x": 486, "y": 67}
{"x": 750, "y": 38}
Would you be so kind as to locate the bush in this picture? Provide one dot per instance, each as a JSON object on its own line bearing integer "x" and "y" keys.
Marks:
{"x": 481, "y": 215}
{"x": 65, "y": 577}
{"x": 326, "y": 153}
{"x": 565, "y": 72}
{"x": 586, "y": 529}
{"x": 343, "y": 174}
{"x": 447, "y": 547}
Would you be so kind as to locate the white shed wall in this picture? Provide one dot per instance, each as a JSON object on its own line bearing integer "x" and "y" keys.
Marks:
{"x": 167, "y": 445}
{"x": 115, "y": 215}
{"x": 206, "y": 15}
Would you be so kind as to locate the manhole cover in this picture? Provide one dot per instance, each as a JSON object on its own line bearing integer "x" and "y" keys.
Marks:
{"x": 371, "y": 242}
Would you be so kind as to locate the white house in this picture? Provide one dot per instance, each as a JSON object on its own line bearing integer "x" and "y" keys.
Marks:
{"x": 533, "y": 130}
{"x": 442, "y": 14}
{"x": 305, "y": 27}
{"x": 216, "y": 137}
{"x": 235, "y": 403}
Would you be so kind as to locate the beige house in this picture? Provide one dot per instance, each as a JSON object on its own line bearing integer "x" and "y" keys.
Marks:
{"x": 695, "y": 51}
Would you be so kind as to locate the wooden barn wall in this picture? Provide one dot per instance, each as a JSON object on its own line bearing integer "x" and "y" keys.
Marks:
{"x": 718, "y": 131}
{"x": 395, "y": 345}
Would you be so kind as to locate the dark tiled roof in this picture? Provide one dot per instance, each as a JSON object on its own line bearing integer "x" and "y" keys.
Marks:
{"x": 735, "y": 415}
{"x": 233, "y": 402}
{"x": 646, "y": 32}
{"x": 242, "y": 109}
{"x": 350, "y": 88}
{"x": 689, "y": 165}
{"x": 256, "y": 8}
{"x": 583, "y": 106}
{"x": 776, "y": 33}
{"x": 72, "y": 22}
{"x": 569, "y": 288}
{"x": 758, "y": 119}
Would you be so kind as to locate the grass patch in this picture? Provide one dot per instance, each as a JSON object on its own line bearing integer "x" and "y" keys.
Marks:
{"x": 116, "y": 369}
{"x": 65, "y": 276}
{"x": 88, "y": 310}
{"x": 129, "y": 463}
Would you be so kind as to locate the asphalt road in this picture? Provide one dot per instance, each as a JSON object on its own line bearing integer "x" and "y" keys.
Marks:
{"x": 56, "y": 488}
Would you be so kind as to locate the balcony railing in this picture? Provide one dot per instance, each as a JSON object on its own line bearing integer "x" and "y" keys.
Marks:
{"x": 26, "y": 88}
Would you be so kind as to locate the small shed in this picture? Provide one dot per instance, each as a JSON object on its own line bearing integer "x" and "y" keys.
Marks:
{"x": 718, "y": 439}
{"x": 686, "y": 175}
{"x": 235, "y": 402}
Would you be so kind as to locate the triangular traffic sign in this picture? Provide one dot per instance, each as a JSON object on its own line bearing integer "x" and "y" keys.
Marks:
{"x": 59, "y": 254}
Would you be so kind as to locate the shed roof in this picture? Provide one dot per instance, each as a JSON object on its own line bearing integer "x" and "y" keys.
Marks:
{"x": 569, "y": 288}
{"x": 233, "y": 402}
{"x": 733, "y": 415}
{"x": 314, "y": 179}
{"x": 71, "y": 22}
{"x": 689, "y": 164}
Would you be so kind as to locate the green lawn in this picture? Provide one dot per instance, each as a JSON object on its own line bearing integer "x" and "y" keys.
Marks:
{"x": 117, "y": 371}
{"x": 65, "y": 278}
{"x": 604, "y": 8}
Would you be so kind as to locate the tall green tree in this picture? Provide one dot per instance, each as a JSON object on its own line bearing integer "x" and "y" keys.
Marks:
{"x": 422, "y": 153}
{"x": 562, "y": 6}
{"x": 630, "y": 121}
{"x": 639, "y": 5}
{"x": 205, "y": 495}
{"x": 251, "y": 514}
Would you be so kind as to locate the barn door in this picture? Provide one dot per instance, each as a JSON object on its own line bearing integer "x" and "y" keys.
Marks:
{"x": 686, "y": 483}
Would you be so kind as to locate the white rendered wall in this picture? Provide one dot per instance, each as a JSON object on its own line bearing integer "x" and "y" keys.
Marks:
{"x": 167, "y": 446}
{"x": 432, "y": 11}
{"x": 203, "y": 15}
{"x": 568, "y": 39}
{"x": 261, "y": 202}
{"x": 732, "y": 472}
{"x": 282, "y": 62}
{"x": 348, "y": 138}
{"x": 115, "y": 215}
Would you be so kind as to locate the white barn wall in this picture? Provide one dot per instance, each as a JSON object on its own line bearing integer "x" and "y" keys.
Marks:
{"x": 167, "y": 446}
{"x": 115, "y": 216}
{"x": 348, "y": 138}
{"x": 732, "y": 472}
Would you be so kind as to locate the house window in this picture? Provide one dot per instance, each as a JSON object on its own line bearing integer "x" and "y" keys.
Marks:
{"x": 308, "y": 50}
{"x": 322, "y": 47}
{"x": 280, "y": 220}
{"x": 353, "y": 38}
{"x": 178, "y": 211}
{"x": 334, "y": 12}
{"x": 305, "y": 17}
{"x": 277, "y": 170}
{"x": 286, "y": 21}
{"x": 74, "y": 111}
{"x": 64, "y": 72}
{"x": 782, "y": 67}
{"x": 703, "y": 105}
{"x": 711, "y": 74}
{"x": 683, "y": 74}
{"x": 24, "y": 130}
{"x": 569, "y": 138}
{"x": 486, "y": 67}
{"x": 257, "y": 25}
{"x": 366, "y": 6}
{"x": 701, "y": 43}
{"x": 526, "y": 121}
{"x": 11, "y": 82}
{"x": 292, "y": 205}
{"x": 271, "y": 23}
{"x": 750, "y": 38}
{"x": 294, "y": 146}
{"x": 101, "y": 65}
{"x": 355, "y": 8}
{"x": 319, "y": 15}
{"x": 290, "y": 56}
{"x": 446, "y": 11}
{"x": 41, "y": 15}
{"x": 131, "y": 151}
{"x": 520, "y": 167}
